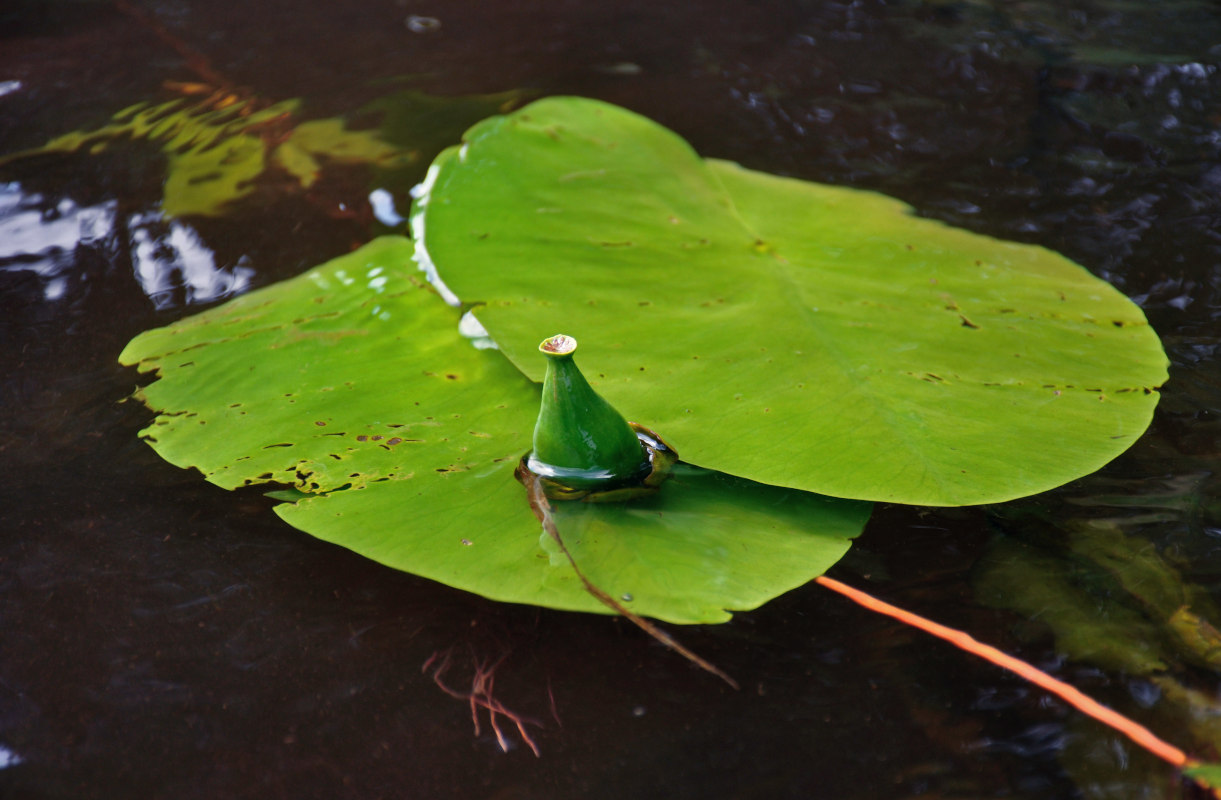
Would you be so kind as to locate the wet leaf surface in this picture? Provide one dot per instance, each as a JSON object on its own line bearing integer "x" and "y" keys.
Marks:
{"x": 352, "y": 384}
{"x": 788, "y": 332}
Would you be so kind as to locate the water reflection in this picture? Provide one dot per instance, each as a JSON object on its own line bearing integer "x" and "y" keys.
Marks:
{"x": 37, "y": 236}
{"x": 382, "y": 203}
{"x": 470, "y": 327}
{"x": 174, "y": 266}
{"x": 420, "y": 193}
{"x": 168, "y": 258}
{"x": 8, "y": 758}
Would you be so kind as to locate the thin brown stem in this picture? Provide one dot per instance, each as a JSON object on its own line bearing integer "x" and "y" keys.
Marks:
{"x": 542, "y": 509}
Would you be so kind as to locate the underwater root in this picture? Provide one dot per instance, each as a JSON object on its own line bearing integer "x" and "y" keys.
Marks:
{"x": 480, "y": 696}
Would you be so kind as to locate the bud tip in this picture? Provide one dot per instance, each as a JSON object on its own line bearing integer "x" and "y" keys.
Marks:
{"x": 558, "y": 345}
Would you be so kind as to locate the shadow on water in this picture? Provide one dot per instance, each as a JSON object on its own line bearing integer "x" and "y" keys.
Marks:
{"x": 164, "y": 638}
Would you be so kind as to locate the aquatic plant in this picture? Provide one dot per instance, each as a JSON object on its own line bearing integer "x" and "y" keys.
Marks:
{"x": 579, "y": 439}
{"x": 819, "y": 340}
{"x": 810, "y": 348}
{"x": 352, "y": 384}
{"x": 797, "y": 334}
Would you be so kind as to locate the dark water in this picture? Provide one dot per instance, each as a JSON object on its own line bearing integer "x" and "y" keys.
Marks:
{"x": 162, "y": 638}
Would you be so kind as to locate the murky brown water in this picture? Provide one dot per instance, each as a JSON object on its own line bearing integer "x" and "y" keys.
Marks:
{"x": 160, "y": 637}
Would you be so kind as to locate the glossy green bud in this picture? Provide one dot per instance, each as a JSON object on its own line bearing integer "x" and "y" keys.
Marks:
{"x": 580, "y": 439}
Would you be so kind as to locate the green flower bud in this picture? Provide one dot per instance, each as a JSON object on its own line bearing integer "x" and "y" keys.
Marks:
{"x": 580, "y": 440}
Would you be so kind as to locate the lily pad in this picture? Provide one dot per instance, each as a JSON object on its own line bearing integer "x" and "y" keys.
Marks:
{"x": 352, "y": 384}
{"x": 792, "y": 333}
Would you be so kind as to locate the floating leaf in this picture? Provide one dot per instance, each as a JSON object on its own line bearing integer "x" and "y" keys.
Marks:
{"x": 792, "y": 333}
{"x": 352, "y": 383}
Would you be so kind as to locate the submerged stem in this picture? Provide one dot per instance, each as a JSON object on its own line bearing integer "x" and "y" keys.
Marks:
{"x": 1139, "y": 734}
{"x": 542, "y": 510}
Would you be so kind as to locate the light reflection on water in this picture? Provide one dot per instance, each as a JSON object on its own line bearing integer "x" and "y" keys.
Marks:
{"x": 170, "y": 261}
{"x": 36, "y": 238}
{"x": 8, "y": 758}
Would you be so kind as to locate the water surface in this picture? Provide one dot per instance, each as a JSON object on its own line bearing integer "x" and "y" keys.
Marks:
{"x": 164, "y": 638}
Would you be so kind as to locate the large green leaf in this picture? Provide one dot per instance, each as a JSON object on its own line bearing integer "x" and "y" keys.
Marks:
{"x": 352, "y": 383}
{"x": 792, "y": 333}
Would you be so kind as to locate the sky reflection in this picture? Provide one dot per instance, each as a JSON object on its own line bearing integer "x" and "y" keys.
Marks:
{"x": 167, "y": 257}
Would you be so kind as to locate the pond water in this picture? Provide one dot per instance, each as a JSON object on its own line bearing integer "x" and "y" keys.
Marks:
{"x": 165, "y": 638}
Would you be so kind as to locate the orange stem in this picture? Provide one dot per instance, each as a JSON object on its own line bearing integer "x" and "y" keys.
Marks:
{"x": 1138, "y": 733}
